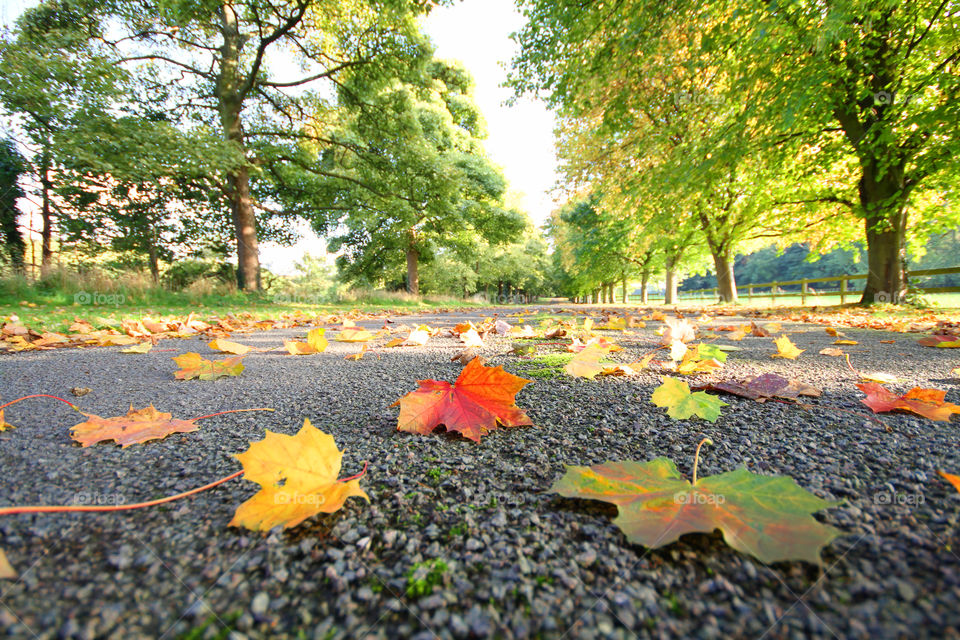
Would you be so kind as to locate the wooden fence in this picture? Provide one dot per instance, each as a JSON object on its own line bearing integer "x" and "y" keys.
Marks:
{"x": 774, "y": 290}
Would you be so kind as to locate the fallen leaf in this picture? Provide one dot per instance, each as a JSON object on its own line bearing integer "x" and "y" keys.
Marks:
{"x": 888, "y": 342}
{"x": 502, "y": 327}
{"x": 847, "y": 342}
{"x": 762, "y": 387}
{"x": 481, "y": 398}
{"x": 768, "y": 517}
{"x": 230, "y": 347}
{"x": 396, "y": 342}
{"x": 354, "y": 334}
{"x": 738, "y": 335}
{"x": 193, "y": 365}
{"x": 830, "y": 351}
{"x": 880, "y": 378}
{"x": 80, "y": 391}
{"x": 358, "y": 354}
{"x": 143, "y": 347}
{"x": 6, "y": 571}
{"x": 316, "y": 343}
{"x": 586, "y": 364}
{"x": 677, "y": 350}
{"x": 137, "y": 427}
{"x": 465, "y": 356}
{"x": 927, "y": 403}
{"x": 833, "y": 331}
{"x": 678, "y": 329}
{"x": 418, "y": 337}
{"x": 786, "y": 349}
{"x": 471, "y": 338}
{"x": 773, "y": 327}
{"x": 757, "y": 331}
{"x": 674, "y": 394}
{"x": 941, "y": 341}
{"x": 949, "y": 477}
{"x": 297, "y": 477}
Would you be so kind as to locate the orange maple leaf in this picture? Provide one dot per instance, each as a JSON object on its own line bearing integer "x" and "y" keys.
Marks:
{"x": 479, "y": 399}
{"x": 136, "y": 427}
{"x": 928, "y": 403}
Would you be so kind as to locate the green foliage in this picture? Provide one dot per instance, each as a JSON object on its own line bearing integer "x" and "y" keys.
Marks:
{"x": 415, "y": 179}
{"x": 11, "y": 168}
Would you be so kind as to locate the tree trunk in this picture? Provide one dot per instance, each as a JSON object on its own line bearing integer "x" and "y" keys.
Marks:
{"x": 726, "y": 282}
{"x": 644, "y": 280}
{"x": 154, "y": 259}
{"x": 230, "y": 102}
{"x": 623, "y": 289}
{"x": 46, "y": 232}
{"x": 610, "y": 297}
{"x": 885, "y": 223}
{"x": 670, "y": 293}
{"x": 413, "y": 275}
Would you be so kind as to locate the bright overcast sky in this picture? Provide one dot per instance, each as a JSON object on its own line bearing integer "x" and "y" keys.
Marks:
{"x": 477, "y": 33}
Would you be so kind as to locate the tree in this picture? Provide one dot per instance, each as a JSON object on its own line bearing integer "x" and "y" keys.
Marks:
{"x": 11, "y": 168}
{"x": 860, "y": 94}
{"x": 411, "y": 177}
{"x": 207, "y": 67}
{"x": 49, "y": 91}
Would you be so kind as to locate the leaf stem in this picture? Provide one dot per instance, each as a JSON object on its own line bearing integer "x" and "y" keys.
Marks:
{"x": 359, "y": 475}
{"x": 696, "y": 457}
{"x": 41, "y": 395}
{"x": 6, "y": 511}
{"x": 220, "y": 413}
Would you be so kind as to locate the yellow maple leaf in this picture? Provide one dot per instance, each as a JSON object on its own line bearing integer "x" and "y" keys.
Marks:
{"x": 298, "y": 479}
{"x": 227, "y": 346}
{"x": 786, "y": 349}
{"x": 143, "y": 347}
{"x": 586, "y": 364}
{"x": 316, "y": 343}
{"x": 6, "y": 571}
{"x": 354, "y": 334}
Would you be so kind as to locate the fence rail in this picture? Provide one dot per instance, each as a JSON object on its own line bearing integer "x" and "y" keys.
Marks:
{"x": 773, "y": 290}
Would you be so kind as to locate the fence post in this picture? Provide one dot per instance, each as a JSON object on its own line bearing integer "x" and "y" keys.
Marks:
{"x": 749, "y": 293}
{"x": 803, "y": 292}
{"x": 773, "y": 293}
{"x": 843, "y": 290}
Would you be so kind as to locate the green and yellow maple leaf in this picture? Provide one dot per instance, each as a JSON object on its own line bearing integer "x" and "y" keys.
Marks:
{"x": 193, "y": 365}
{"x": 768, "y": 517}
{"x": 675, "y": 396}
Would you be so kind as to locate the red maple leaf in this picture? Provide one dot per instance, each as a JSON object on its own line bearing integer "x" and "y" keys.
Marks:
{"x": 473, "y": 405}
{"x": 923, "y": 402}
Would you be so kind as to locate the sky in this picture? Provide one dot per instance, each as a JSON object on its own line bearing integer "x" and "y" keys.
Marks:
{"x": 520, "y": 140}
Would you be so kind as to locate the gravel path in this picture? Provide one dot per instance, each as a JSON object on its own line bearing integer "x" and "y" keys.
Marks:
{"x": 460, "y": 539}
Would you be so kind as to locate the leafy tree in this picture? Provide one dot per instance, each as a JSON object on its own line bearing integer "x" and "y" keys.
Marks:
{"x": 859, "y": 96}
{"x": 416, "y": 178}
{"x": 11, "y": 168}
{"x": 48, "y": 90}
{"x": 207, "y": 67}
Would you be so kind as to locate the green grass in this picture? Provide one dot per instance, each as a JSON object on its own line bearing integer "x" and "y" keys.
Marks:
{"x": 545, "y": 366}
{"x": 423, "y": 577}
{"x": 53, "y": 306}
{"x": 936, "y": 301}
